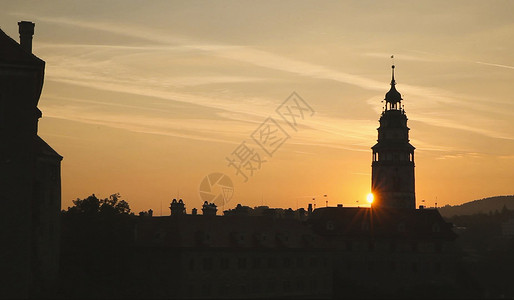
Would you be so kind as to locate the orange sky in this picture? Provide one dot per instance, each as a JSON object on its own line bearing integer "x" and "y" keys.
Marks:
{"x": 146, "y": 98}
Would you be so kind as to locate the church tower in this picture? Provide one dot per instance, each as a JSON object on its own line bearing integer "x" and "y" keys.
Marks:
{"x": 392, "y": 175}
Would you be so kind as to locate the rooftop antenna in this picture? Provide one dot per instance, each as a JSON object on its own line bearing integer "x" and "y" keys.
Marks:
{"x": 161, "y": 207}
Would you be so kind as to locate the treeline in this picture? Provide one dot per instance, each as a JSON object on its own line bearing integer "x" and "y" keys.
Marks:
{"x": 480, "y": 231}
{"x": 484, "y": 205}
{"x": 488, "y": 254}
{"x": 96, "y": 237}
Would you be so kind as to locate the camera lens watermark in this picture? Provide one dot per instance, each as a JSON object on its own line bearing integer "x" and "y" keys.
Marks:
{"x": 216, "y": 188}
{"x": 269, "y": 136}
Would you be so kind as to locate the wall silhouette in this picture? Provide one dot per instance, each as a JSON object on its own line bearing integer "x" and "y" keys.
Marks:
{"x": 30, "y": 183}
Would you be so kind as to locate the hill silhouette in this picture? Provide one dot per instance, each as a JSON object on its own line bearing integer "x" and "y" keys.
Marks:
{"x": 484, "y": 205}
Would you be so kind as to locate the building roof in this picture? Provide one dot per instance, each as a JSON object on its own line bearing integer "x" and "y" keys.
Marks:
{"x": 381, "y": 222}
{"x": 393, "y": 96}
{"x": 12, "y": 53}
{"x": 393, "y": 145}
{"x": 44, "y": 149}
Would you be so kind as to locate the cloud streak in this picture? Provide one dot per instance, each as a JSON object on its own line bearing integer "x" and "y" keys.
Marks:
{"x": 78, "y": 71}
{"x": 495, "y": 65}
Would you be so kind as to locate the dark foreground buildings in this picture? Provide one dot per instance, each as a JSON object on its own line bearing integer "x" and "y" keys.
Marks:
{"x": 389, "y": 250}
{"x": 30, "y": 183}
{"x": 332, "y": 252}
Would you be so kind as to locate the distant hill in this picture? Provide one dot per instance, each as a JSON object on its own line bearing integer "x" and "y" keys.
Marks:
{"x": 478, "y": 206}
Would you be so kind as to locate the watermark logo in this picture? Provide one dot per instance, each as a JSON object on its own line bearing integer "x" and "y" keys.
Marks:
{"x": 246, "y": 158}
{"x": 293, "y": 110}
{"x": 216, "y": 188}
{"x": 269, "y": 136}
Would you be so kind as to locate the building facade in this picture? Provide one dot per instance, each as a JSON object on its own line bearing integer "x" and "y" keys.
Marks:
{"x": 30, "y": 188}
{"x": 233, "y": 256}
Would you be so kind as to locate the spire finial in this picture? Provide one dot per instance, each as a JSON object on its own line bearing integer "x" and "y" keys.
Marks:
{"x": 393, "y": 82}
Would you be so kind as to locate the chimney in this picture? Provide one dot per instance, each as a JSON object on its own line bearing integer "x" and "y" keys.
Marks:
{"x": 26, "y": 30}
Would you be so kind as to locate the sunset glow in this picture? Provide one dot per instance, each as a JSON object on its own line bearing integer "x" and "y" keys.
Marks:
{"x": 148, "y": 100}
{"x": 369, "y": 198}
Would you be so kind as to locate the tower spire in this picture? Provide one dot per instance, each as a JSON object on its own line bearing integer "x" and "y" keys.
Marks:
{"x": 393, "y": 82}
{"x": 393, "y": 97}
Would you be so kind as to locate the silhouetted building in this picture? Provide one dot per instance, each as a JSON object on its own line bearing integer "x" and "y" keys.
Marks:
{"x": 209, "y": 209}
{"x": 177, "y": 207}
{"x": 30, "y": 183}
{"x": 392, "y": 179}
{"x": 387, "y": 252}
{"x": 234, "y": 256}
{"x": 336, "y": 252}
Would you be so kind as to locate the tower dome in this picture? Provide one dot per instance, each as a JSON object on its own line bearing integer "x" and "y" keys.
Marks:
{"x": 393, "y": 96}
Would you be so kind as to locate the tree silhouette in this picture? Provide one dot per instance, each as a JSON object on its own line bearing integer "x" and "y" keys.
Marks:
{"x": 113, "y": 205}
{"x": 96, "y": 244}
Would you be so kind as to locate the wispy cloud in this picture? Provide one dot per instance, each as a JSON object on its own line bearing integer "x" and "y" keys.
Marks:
{"x": 79, "y": 71}
{"x": 495, "y": 65}
{"x": 200, "y": 129}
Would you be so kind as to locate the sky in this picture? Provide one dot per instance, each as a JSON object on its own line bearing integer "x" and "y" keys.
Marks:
{"x": 149, "y": 98}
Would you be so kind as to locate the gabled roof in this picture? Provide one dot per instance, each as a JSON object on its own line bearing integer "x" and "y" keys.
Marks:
{"x": 44, "y": 149}
{"x": 12, "y": 53}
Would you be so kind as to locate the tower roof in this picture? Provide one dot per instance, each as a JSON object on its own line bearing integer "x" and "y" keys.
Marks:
{"x": 393, "y": 96}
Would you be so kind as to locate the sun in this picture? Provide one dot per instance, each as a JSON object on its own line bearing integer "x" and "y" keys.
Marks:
{"x": 369, "y": 197}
